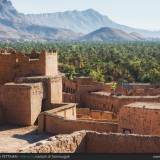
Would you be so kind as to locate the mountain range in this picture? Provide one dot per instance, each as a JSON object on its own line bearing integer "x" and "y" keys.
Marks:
{"x": 88, "y": 25}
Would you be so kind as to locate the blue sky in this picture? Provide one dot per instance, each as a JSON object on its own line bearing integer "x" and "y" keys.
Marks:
{"x": 136, "y": 13}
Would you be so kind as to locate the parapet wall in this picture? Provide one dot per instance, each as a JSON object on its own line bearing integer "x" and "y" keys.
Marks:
{"x": 119, "y": 101}
{"x": 58, "y": 124}
{"x": 113, "y": 103}
{"x": 94, "y": 142}
{"x": 98, "y": 115}
{"x": 79, "y": 91}
{"x": 19, "y": 65}
{"x": 65, "y": 110}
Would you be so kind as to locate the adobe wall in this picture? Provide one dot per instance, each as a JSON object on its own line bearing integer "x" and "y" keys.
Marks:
{"x": 1, "y": 116}
{"x": 113, "y": 103}
{"x": 52, "y": 87}
{"x": 73, "y": 143}
{"x": 139, "y": 89}
{"x": 58, "y": 125}
{"x": 69, "y": 86}
{"x": 119, "y": 101}
{"x": 84, "y": 113}
{"x": 36, "y": 98}
{"x": 19, "y": 65}
{"x": 139, "y": 121}
{"x": 80, "y": 86}
{"x": 21, "y": 103}
{"x": 75, "y": 90}
{"x": 51, "y": 64}
{"x": 98, "y": 102}
{"x": 68, "y": 111}
{"x": 69, "y": 98}
{"x": 120, "y": 143}
{"x": 55, "y": 90}
{"x": 95, "y": 142}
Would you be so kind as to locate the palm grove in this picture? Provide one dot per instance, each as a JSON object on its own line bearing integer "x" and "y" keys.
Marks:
{"x": 123, "y": 62}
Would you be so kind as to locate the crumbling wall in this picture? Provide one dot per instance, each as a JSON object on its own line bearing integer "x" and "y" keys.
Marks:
{"x": 95, "y": 142}
{"x": 72, "y": 143}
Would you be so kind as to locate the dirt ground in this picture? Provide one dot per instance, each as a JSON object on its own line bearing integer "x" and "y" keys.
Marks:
{"x": 13, "y": 138}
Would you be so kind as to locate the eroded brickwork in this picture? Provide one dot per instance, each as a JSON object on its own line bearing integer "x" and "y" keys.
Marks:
{"x": 34, "y": 82}
{"x": 98, "y": 96}
{"x": 94, "y": 142}
{"x": 140, "y": 118}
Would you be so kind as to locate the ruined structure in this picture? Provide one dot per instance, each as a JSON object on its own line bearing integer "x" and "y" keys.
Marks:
{"x": 28, "y": 85}
{"x": 94, "y": 142}
{"x": 31, "y": 94}
{"x": 95, "y": 95}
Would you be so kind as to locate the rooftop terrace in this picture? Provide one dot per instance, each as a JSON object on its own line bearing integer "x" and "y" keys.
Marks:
{"x": 148, "y": 105}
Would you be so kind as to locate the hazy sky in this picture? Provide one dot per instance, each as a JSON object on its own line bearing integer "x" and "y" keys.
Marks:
{"x": 136, "y": 13}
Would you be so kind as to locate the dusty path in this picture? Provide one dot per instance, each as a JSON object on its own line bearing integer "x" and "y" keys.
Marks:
{"x": 12, "y": 138}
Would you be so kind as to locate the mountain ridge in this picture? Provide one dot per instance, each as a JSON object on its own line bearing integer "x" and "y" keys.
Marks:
{"x": 85, "y": 21}
{"x": 61, "y": 26}
{"x": 14, "y": 25}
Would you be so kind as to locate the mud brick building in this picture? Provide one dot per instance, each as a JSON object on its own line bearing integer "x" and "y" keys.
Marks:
{"x": 28, "y": 84}
{"x": 95, "y": 95}
{"x": 140, "y": 118}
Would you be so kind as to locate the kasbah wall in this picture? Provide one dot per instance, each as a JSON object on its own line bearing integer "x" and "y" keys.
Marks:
{"x": 94, "y": 142}
{"x": 84, "y": 91}
{"x": 140, "y": 118}
{"x": 19, "y": 65}
{"x": 28, "y": 83}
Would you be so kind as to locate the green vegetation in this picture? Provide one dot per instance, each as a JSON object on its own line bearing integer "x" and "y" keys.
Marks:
{"x": 130, "y": 62}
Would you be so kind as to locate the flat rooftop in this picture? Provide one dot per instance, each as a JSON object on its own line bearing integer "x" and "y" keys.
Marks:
{"x": 35, "y": 79}
{"x": 134, "y": 97}
{"x": 102, "y": 93}
{"x": 145, "y": 105}
{"x": 23, "y": 85}
{"x": 139, "y": 84}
